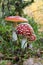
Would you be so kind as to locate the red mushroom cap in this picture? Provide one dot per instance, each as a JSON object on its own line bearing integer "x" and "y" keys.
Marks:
{"x": 26, "y": 30}
{"x": 16, "y": 19}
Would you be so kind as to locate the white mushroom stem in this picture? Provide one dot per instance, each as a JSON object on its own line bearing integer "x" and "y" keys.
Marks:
{"x": 24, "y": 43}
{"x": 14, "y": 36}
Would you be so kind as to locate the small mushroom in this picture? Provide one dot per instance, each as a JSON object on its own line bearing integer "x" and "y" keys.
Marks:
{"x": 26, "y": 30}
{"x": 15, "y": 20}
{"x": 32, "y": 37}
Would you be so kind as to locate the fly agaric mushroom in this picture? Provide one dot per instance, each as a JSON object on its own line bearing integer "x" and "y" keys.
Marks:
{"x": 26, "y": 30}
{"x": 15, "y": 20}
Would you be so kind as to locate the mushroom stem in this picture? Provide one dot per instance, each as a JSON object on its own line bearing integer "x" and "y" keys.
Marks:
{"x": 14, "y": 25}
{"x": 14, "y": 36}
{"x": 24, "y": 43}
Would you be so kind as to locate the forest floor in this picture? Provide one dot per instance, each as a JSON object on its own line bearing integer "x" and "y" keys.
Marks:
{"x": 30, "y": 61}
{"x": 34, "y": 61}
